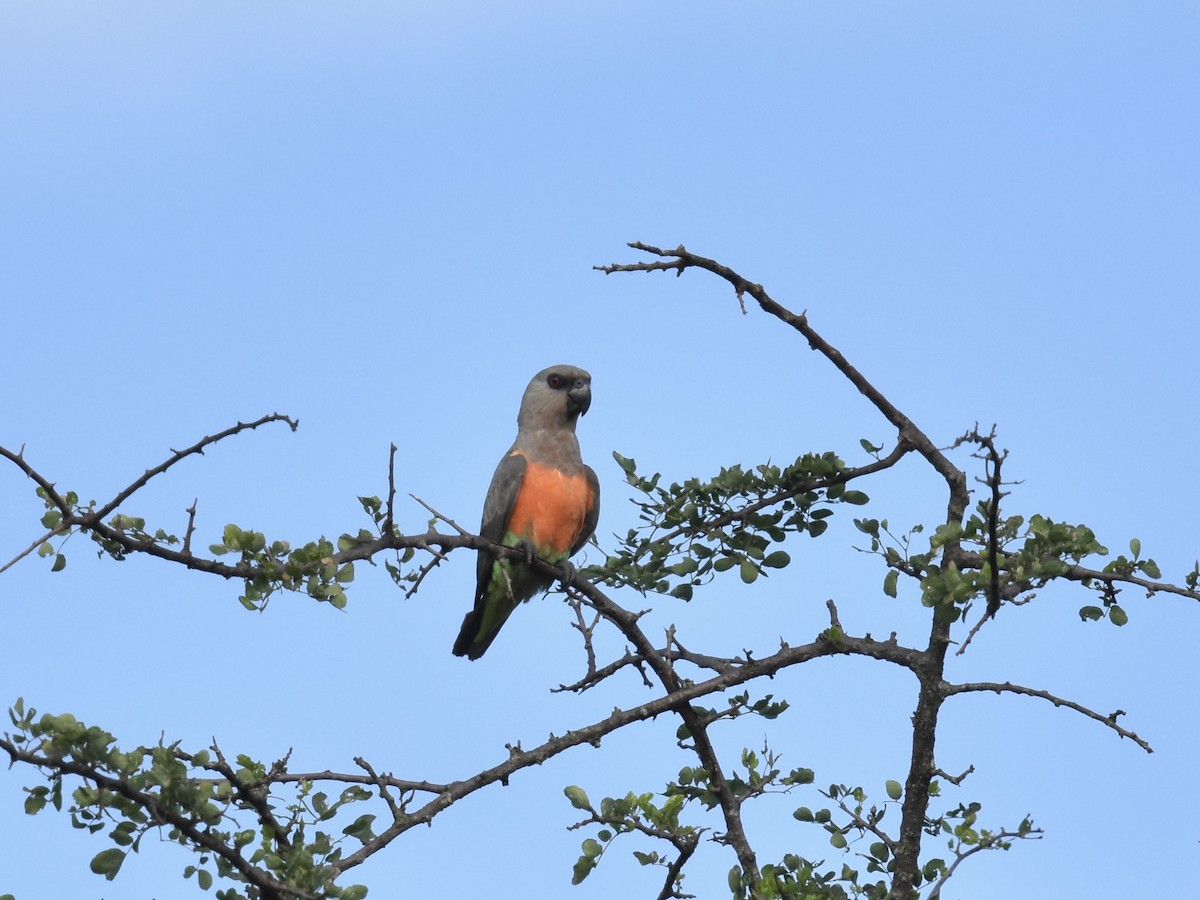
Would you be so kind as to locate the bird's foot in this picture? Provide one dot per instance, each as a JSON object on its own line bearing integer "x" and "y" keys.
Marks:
{"x": 528, "y": 549}
{"x": 569, "y": 572}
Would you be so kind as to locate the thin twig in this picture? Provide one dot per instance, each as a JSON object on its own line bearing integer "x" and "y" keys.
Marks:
{"x": 58, "y": 529}
{"x": 441, "y": 516}
{"x": 191, "y": 526}
{"x": 389, "y": 520}
{"x": 1034, "y": 834}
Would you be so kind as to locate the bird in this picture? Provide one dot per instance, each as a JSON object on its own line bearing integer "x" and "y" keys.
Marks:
{"x": 542, "y": 499}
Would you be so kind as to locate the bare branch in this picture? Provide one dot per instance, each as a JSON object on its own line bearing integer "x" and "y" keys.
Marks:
{"x": 178, "y": 455}
{"x": 955, "y": 780}
{"x": 909, "y": 432}
{"x": 1008, "y": 687}
{"x": 58, "y": 529}
{"x": 440, "y": 516}
{"x": 389, "y": 519}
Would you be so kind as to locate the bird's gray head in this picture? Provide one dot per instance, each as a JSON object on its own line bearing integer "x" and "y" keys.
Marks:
{"x": 555, "y": 398}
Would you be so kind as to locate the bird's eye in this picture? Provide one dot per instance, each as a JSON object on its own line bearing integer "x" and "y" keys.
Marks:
{"x": 555, "y": 381}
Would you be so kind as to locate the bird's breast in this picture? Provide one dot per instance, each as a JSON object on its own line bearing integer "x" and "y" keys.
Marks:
{"x": 551, "y": 509}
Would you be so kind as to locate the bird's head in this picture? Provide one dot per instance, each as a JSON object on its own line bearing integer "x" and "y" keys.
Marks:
{"x": 556, "y": 396}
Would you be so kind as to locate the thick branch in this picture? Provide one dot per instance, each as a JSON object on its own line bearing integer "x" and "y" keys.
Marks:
{"x": 931, "y": 662}
{"x": 678, "y": 699}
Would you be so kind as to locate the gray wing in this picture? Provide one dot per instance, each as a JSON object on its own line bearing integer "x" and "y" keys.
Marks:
{"x": 497, "y": 509}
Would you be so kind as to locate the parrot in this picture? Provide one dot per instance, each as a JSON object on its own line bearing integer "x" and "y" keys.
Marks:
{"x": 542, "y": 499}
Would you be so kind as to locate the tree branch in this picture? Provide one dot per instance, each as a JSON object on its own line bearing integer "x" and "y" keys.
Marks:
{"x": 1008, "y": 687}
{"x": 178, "y": 455}
{"x": 271, "y": 888}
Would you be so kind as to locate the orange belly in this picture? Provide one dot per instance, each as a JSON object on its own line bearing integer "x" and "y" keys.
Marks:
{"x": 550, "y": 510}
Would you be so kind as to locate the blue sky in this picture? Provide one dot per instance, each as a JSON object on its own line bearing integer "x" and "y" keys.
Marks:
{"x": 381, "y": 218}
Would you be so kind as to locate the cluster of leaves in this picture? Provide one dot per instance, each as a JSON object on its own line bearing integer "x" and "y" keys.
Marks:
{"x": 1127, "y": 567}
{"x": 314, "y": 568}
{"x": 192, "y": 798}
{"x": 633, "y": 813}
{"x": 698, "y": 528}
{"x": 658, "y": 816}
{"x": 964, "y": 837}
{"x": 855, "y": 826}
{"x": 1027, "y": 556}
{"x": 849, "y": 824}
{"x": 766, "y": 707}
{"x": 375, "y": 508}
{"x": 311, "y": 568}
{"x": 130, "y": 526}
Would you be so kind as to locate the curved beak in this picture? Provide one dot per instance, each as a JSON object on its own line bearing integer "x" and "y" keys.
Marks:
{"x": 579, "y": 398}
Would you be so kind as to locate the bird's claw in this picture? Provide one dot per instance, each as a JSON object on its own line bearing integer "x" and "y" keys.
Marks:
{"x": 569, "y": 572}
{"x": 527, "y": 548}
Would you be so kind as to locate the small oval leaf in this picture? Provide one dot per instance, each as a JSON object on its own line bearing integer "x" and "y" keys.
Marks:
{"x": 578, "y": 797}
{"x": 108, "y": 862}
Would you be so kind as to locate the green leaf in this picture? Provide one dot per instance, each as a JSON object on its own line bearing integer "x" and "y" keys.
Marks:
{"x": 108, "y": 862}
{"x": 735, "y": 880}
{"x": 36, "y": 800}
{"x": 777, "y": 560}
{"x": 1150, "y": 567}
{"x": 838, "y": 840}
{"x": 1094, "y": 613}
{"x": 592, "y": 848}
{"x": 749, "y": 571}
{"x": 685, "y": 566}
{"x": 1117, "y": 615}
{"x": 1135, "y": 547}
{"x": 682, "y": 592}
{"x": 628, "y": 466}
{"x": 803, "y": 814}
{"x": 578, "y": 797}
{"x": 204, "y": 879}
{"x": 855, "y": 498}
{"x": 360, "y": 828}
{"x": 889, "y": 582}
{"x": 725, "y": 563}
{"x": 894, "y": 789}
{"x": 583, "y": 867}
